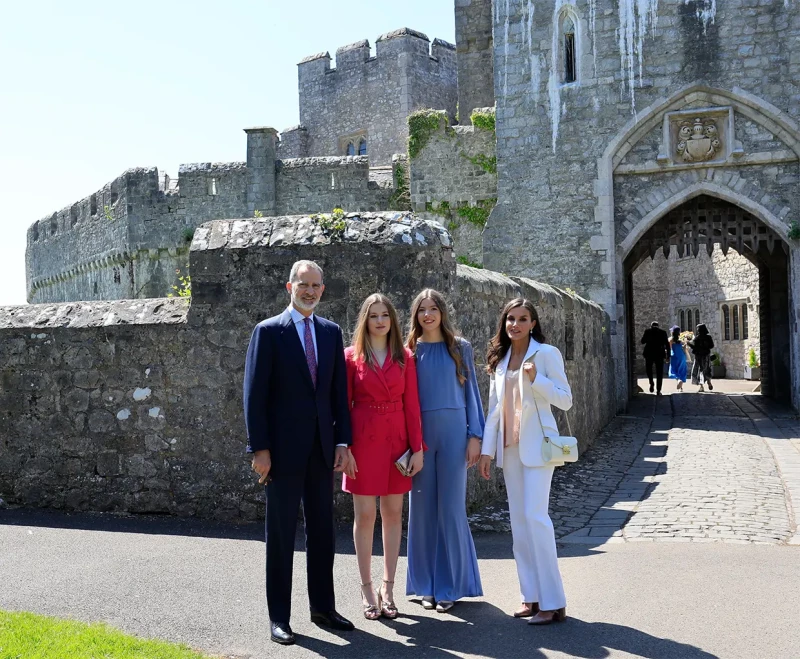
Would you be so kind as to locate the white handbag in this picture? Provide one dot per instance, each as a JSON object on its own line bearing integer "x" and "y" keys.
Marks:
{"x": 556, "y": 450}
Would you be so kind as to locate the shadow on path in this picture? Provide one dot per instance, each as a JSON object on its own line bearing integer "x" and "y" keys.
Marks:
{"x": 481, "y": 629}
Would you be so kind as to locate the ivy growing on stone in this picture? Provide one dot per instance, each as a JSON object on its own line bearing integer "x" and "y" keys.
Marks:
{"x": 421, "y": 125}
{"x": 479, "y": 214}
{"x": 400, "y": 199}
{"x": 443, "y": 210}
{"x": 794, "y": 231}
{"x": 483, "y": 118}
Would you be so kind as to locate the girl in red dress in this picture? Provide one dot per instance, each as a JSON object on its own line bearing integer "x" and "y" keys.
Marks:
{"x": 386, "y": 421}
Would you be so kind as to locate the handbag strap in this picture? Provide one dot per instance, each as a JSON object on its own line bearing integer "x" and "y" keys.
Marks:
{"x": 536, "y": 405}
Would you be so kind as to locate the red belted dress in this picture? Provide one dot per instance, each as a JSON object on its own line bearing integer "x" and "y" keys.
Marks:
{"x": 386, "y": 422}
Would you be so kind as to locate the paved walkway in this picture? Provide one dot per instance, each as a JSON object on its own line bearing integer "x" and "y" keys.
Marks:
{"x": 711, "y": 467}
{"x": 676, "y": 471}
{"x": 204, "y": 585}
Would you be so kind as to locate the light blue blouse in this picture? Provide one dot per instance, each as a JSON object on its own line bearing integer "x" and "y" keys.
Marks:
{"x": 439, "y": 387}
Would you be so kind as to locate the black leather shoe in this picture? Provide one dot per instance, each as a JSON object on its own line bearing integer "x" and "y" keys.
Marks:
{"x": 281, "y": 633}
{"x": 333, "y": 620}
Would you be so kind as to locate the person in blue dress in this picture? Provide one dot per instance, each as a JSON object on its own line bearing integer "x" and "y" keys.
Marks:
{"x": 677, "y": 360}
{"x": 442, "y": 564}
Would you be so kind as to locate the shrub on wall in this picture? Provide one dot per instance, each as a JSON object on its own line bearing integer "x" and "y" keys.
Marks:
{"x": 483, "y": 118}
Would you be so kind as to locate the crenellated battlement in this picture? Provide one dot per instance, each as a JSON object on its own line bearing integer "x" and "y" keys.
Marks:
{"x": 108, "y": 204}
{"x": 387, "y": 47}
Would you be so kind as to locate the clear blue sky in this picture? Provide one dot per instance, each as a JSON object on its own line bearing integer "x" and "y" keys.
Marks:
{"x": 89, "y": 89}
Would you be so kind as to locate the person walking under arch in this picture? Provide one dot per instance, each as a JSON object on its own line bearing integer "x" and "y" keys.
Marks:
{"x": 656, "y": 351}
{"x": 678, "y": 356}
{"x": 701, "y": 346}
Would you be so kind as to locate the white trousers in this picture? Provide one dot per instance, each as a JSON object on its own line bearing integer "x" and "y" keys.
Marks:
{"x": 532, "y": 532}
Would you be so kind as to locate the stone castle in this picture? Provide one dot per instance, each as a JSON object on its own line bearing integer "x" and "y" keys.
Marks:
{"x": 644, "y": 154}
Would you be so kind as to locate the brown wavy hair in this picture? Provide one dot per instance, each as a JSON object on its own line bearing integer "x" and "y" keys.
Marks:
{"x": 500, "y": 343}
{"x": 448, "y": 331}
{"x": 361, "y": 343}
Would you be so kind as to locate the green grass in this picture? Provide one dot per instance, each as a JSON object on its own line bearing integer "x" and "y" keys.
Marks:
{"x": 29, "y": 636}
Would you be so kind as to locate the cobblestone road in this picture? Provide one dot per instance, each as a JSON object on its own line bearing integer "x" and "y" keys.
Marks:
{"x": 686, "y": 467}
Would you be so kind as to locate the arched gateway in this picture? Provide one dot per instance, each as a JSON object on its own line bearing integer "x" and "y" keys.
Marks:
{"x": 696, "y": 226}
{"x": 706, "y": 167}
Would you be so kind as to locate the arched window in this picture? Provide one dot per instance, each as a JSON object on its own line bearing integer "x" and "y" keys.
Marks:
{"x": 568, "y": 48}
{"x": 696, "y": 317}
{"x": 362, "y": 147}
{"x": 351, "y": 149}
{"x": 745, "y": 323}
{"x": 726, "y": 322}
{"x": 683, "y": 321}
{"x": 735, "y": 322}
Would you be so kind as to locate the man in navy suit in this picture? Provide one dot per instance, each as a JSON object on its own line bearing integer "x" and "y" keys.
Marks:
{"x": 298, "y": 430}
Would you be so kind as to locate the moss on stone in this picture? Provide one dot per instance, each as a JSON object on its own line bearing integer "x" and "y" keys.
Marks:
{"x": 486, "y": 163}
{"x": 421, "y": 125}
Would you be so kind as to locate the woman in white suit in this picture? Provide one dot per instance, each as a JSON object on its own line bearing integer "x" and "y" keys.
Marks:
{"x": 525, "y": 373}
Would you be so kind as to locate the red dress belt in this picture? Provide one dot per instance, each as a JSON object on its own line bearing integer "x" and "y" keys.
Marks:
{"x": 380, "y": 408}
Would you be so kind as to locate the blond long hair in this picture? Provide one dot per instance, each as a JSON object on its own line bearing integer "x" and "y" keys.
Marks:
{"x": 361, "y": 343}
{"x": 448, "y": 332}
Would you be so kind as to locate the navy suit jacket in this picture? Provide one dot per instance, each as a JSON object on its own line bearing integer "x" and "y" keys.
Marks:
{"x": 283, "y": 411}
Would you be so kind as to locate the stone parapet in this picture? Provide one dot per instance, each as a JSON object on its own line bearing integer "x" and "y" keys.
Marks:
{"x": 136, "y": 405}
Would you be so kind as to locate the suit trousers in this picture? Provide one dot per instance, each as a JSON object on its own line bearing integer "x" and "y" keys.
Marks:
{"x": 314, "y": 487}
{"x": 659, "y": 366}
{"x": 532, "y": 531}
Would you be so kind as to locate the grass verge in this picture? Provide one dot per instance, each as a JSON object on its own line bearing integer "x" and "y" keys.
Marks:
{"x": 29, "y": 636}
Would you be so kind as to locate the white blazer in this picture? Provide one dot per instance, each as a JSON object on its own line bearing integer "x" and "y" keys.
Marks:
{"x": 550, "y": 387}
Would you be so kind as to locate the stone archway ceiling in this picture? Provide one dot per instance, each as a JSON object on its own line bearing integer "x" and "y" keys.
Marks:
{"x": 704, "y": 221}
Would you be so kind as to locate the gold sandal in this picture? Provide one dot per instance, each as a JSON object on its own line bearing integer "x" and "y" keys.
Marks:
{"x": 371, "y": 611}
{"x": 388, "y": 607}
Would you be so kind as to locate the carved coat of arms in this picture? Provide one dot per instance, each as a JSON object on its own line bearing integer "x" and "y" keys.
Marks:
{"x": 698, "y": 140}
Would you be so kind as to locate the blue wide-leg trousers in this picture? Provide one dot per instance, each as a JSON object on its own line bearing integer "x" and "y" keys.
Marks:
{"x": 441, "y": 554}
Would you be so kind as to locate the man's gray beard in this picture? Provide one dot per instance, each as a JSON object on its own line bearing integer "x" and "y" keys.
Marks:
{"x": 305, "y": 306}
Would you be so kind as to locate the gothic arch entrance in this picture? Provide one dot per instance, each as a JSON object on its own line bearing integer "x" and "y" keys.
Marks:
{"x": 698, "y": 225}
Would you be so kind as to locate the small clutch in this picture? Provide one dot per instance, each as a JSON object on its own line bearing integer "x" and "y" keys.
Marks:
{"x": 403, "y": 463}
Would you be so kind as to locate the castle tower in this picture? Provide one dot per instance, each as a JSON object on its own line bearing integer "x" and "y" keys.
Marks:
{"x": 475, "y": 59}
{"x": 360, "y": 107}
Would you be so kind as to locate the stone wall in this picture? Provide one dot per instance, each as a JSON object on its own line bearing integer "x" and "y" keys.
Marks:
{"x": 372, "y": 96}
{"x": 444, "y": 172}
{"x": 294, "y": 143}
{"x": 311, "y": 185}
{"x": 135, "y": 405}
{"x": 125, "y": 240}
{"x": 455, "y": 169}
{"x": 128, "y": 239}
